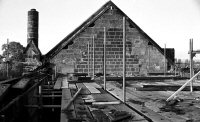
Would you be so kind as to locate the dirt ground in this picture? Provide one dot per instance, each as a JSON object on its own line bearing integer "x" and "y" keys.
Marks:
{"x": 185, "y": 108}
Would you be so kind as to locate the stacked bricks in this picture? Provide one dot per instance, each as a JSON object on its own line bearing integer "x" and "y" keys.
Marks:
{"x": 141, "y": 58}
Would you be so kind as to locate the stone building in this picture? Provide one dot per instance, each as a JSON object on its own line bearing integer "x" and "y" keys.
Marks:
{"x": 83, "y": 48}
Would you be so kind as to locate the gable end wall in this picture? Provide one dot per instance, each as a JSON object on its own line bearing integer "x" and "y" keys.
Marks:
{"x": 141, "y": 57}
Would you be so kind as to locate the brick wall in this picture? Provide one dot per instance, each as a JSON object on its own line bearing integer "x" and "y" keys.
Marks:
{"x": 142, "y": 57}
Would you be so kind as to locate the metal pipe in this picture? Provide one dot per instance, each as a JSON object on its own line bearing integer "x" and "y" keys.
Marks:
{"x": 104, "y": 59}
{"x": 124, "y": 59}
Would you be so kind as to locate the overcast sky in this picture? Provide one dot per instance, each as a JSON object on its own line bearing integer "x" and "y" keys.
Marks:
{"x": 170, "y": 22}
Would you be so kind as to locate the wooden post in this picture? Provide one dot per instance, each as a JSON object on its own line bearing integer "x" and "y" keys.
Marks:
{"x": 183, "y": 86}
{"x": 7, "y": 56}
{"x": 104, "y": 59}
{"x": 165, "y": 61}
{"x": 124, "y": 59}
{"x": 55, "y": 71}
{"x": 175, "y": 70}
{"x": 93, "y": 56}
{"x": 148, "y": 57}
{"x": 88, "y": 58}
{"x": 52, "y": 77}
{"x": 191, "y": 64}
{"x": 40, "y": 96}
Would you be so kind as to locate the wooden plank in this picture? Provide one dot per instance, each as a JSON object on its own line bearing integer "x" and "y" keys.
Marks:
{"x": 92, "y": 87}
{"x": 22, "y": 84}
{"x": 166, "y": 88}
{"x": 66, "y": 94}
{"x": 66, "y": 97}
{"x": 65, "y": 83}
{"x": 100, "y": 112}
{"x": 93, "y": 84}
{"x": 72, "y": 86}
{"x": 85, "y": 91}
{"x": 93, "y": 90}
{"x": 3, "y": 90}
{"x": 58, "y": 83}
{"x": 104, "y": 97}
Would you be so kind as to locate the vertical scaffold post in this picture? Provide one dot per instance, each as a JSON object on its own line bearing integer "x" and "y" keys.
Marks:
{"x": 191, "y": 64}
{"x": 55, "y": 71}
{"x": 88, "y": 57}
{"x": 165, "y": 61}
{"x": 104, "y": 59}
{"x": 40, "y": 96}
{"x": 124, "y": 59}
{"x": 93, "y": 56}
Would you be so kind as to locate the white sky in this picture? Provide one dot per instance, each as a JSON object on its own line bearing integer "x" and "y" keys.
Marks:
{"x": 170, "y": 22}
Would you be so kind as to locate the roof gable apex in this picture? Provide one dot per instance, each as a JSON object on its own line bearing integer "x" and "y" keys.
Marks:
{"x": 67, "y": 40}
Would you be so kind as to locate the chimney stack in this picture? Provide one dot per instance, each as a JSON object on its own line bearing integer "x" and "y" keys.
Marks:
{"x": 33, "y": 21}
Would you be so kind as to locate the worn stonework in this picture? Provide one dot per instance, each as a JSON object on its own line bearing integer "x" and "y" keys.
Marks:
{"x": 141, "y": 56}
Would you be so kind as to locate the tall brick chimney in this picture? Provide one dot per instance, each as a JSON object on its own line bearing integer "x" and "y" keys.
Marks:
{"x": 33, "y": 21}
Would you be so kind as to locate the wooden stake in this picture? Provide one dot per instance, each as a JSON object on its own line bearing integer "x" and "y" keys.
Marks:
{"x": 104, "y": 59}
{"x": 124, "y": 59}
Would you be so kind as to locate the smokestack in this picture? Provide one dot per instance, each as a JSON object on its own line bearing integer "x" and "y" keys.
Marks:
{"x": 33, "y": 21}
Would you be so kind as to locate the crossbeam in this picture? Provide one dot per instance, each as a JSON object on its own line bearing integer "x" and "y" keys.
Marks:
{"x": 194, "y": 51}
{"x": 43, "y": 106}
{"x": 48, "y": 96}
